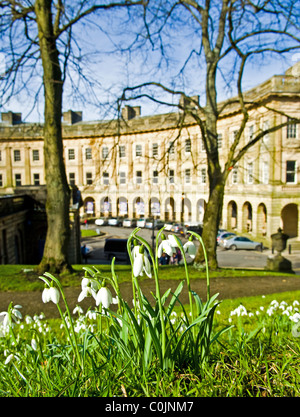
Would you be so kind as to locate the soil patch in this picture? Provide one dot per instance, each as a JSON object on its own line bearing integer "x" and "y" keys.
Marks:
{"x": 31, "y": 301}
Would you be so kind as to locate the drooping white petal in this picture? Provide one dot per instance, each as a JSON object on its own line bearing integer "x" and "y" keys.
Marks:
{"x": 138, "y": 264}
{"x": 190, "y": 248}
{"x": 147, "y": 266}
{"x": 165, "y": 246}
{"x": 83, "y": 294}
{"x": 46, "y": 295}
{"x": 54, "y": 295}
{"x": 172, "y": 241}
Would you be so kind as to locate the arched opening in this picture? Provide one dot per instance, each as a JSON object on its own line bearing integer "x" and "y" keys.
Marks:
{"x": 232, "y": 215}
{"x": 247, "y": 217}
{"x": 170, "y": 209}
{"x": 154, "y": 207}
{"x": 201, "y": 206}
{"x": 186, "y": 209}
{"x": 122, "y": 207}
{"x": 89, "y": 206}
{"x": 289, "y": 220}
{"x": 105, "y": 207}
{"x": 262, "y": 220}
{"x": 138, "y": 207}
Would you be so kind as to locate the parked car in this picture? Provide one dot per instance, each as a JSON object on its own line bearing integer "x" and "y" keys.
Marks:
{"x": 116, "y": 248}
{"x": 115, "y": 221}
{"x": 197, "y": 228}
{"x": 129, "y": 222}
{"x": 141, "y": 222}
{"x": 158, "y": 224}
{"x": 224, "y": 235}
{"x": 102, "y": 221}
{"x": 168, "y": 226}
{"x": 240, "y": 242}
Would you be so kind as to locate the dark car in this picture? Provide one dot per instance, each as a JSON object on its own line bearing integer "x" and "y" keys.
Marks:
{"x": 116, "y": 248}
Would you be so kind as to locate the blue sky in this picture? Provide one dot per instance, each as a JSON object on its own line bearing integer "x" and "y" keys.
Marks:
{"x": 112, "y": 72}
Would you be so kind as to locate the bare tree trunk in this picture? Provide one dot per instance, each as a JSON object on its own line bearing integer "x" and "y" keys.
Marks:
{"x": 58, "y": 194}
{"x": 211, "y": 221}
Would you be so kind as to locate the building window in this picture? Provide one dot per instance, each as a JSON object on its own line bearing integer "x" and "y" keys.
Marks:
{"x": 89, "y": 178}
{"x": 187, "y": 175}
{"x": 104, "y": 152}
{"x": 122, "y": 177}
{"x": 203, "y": 175}
{"x": 17, "y": 155}
{"x": 105, "y": 178}
{"x": 88, "y": 153}
{"x": 250, "y": 173}
{"x": 187, "y": 147}
{"x": 35, "y": 155}
{"x": 233, "y": 136}
{"x": 139, "y": 177}
{"x": 71, "y": 154}
{"x": 122, "y": 151}
{"x": 1, "y": 180}
{"x": 235, "y": 175}
{"x": 171, "y": 149}
{"x": 138, "y": 150}
{"x": 266, "y": 126}
{"x": 291, "y": 173}
{"x": 36, "y": 179}
{"x": 265, "y": 172}
{"x": 71, "y": 178}
{"x": 155, "y": 149}
{"x": 220, "y": 140}
{"x": 250, "y": 133}
{"x": 155, "y": 177}
{"x": 291, "y": 130}
{"x": 171, "y": 176}
{"x": 18, "y": 180}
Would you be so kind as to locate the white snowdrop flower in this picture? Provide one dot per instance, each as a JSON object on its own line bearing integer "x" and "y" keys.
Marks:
{"x": 141, "y": 263}
{"x": 295, "y": 303}
{"x": 250, "y": 315}
{"x": 104, "y": 297}
{"x": 28, "y": 320}
{"x": 34, "y": 344}
{"x": 9, "y": 358}
{"x": 190, "y": 248}
{"x": 166, "y": 246}
{"x": 295, "y": 317}
{"x": 230, "y": 320}
{"x": 274, "y": 303}
{"x": 78, "y": 310}
{"x": 50, "y": 294}
{"x": 262, "y": 308}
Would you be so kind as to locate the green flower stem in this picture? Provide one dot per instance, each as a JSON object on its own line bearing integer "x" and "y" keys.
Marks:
{"x": 206, "y": 262}
{"x": 187, "y": 281}
{"x": 72, "y": 334}
{"x": 158, "y": 295}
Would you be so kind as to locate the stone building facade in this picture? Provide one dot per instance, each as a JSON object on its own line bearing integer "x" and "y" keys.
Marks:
{"x": 144, "y": 166}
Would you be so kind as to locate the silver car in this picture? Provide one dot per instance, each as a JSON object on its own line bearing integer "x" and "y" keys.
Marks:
{"x": 240, "y": 242}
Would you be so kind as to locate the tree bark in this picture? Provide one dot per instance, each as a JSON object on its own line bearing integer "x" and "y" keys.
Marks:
{"x": 58, "y": 194}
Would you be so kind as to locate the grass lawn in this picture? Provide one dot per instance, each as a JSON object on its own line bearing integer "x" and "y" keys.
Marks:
{"x": 25, "y": 278}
